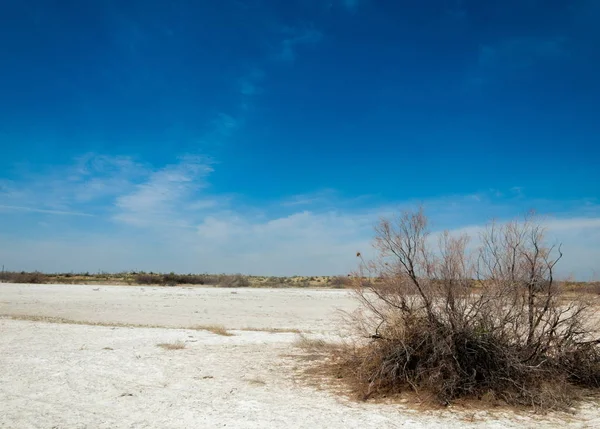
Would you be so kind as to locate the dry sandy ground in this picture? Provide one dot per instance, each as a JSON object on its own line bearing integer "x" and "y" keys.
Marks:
{"x": 79, "y": 376}
{"x": 303, "y": 309}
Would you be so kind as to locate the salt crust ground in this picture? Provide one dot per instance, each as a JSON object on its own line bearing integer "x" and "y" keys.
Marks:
{"x": 79, "y": 376}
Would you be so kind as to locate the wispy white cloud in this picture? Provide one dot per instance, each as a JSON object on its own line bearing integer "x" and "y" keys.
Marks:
{"x": 249, "y": 88}
{"x": 511, "y": 56}
{"x": 9, "y": 191}
{"x": 162, "y": 198}
{"x": 521, "y": 52}
{"x": 456, "y": 11}
{"x": 170, "y": 220}
{"x": 323, "y": 197}
{"x": 89, "y": 179}
{"x": 225, "y": 124}
{"x": 99, "y": 176}
{"x": 249, "y": 84}
{"x": 296, "y": 37}
{"x": 351, "y": 5}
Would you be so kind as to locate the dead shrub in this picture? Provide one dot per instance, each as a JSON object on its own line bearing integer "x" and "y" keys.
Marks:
{"x": 340, "y": 282}
{"x": 592, "y": 288}
{"x": 148, "y": 279}
{"x": 173, "y": 279}
{"x": 170, "y": 279}
{"x": 194, "y": 279}
{"x": 24, "y": 277}
{"x": 235, "y": 280}
{"x": 209, "y": 279}
{"x": 275, "y": 282}
{"x": 450, "y": 323}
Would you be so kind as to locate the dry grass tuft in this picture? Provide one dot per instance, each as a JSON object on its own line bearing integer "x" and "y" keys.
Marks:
{"x": 63, "y": 320}
{"x": 178, "y": 345}
{"x": 24, "y": 277}
{"x": 312, "y": 344}
{"x": 273, "y": 330}
{"x": 256, "y": 381}
{"x": 215, "y": 329}
{"x": 317, "y": 349}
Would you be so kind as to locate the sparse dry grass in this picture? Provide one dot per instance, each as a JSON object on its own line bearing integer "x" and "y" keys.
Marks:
{"x": 317, "y": 349}
{"x": 311, "y": 344}
{"x": 256, "y": 381}
{"x": 273, "y": 330}
{"x": 52, "y": 319}
{"x": 575, "y": 289}
{"x": 177, "y": 345}
{"x": 215, "y": 329}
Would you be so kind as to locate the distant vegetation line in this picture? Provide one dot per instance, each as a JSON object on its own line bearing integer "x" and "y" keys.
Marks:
{"x": 221, "y": 280}
{"x": 173, "y": 279}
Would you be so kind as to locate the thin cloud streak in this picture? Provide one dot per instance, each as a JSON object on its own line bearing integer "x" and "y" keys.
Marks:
{"x": 35, "y": 210}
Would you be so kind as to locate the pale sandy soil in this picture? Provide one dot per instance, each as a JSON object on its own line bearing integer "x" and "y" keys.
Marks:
{"x": 304, "y": 309}
{"x": 79, "y": 376}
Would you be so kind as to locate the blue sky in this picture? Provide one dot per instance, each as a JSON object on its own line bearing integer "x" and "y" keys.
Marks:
{"x": 267, "y": 136}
